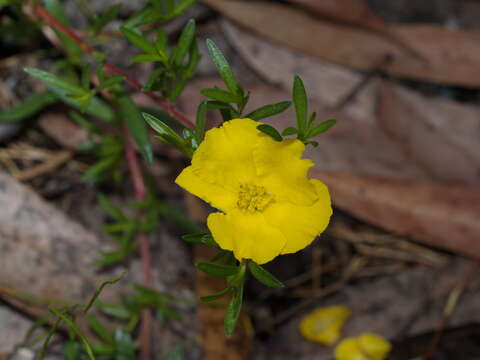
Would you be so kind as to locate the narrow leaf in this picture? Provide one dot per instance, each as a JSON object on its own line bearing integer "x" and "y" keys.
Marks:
{"x": 202, "y": 238}
{"x": 182, "y": 6}
{"x": 55, "y": 81}
{"x": 233, "y": 310}
{"x": 200, "y": 122}
{"x": 221, "y": 95}
{"x": 321, "y": 128}
{"x": 264, "y": 276}
{"x": 112, "y": 210}
{"x": 146, "y": 58}
{"x": 99, "y": 329}
{"x": 166, "y": 133}
{"x": 136, "y": 125}
{"x": 269, "y": 110}
{"x": 301, "y": 103}
{"x": 289, "y": 131}
{"x": 76, "y": 331}
{"x": 217, "y": 270}
{"x": 100, "y": 289}
{"x": 223, "y": 67}
{"x": 216, "y": 296}
{"x": 28, "y": 107}
{"x": 105, "y": 18}
{"x": 271, "y": 131}
{"x": 65, "y": 90}
{"x": 184, "y": 42}
{"x": 194, "y": 58}
{"x": 137, "y": 39}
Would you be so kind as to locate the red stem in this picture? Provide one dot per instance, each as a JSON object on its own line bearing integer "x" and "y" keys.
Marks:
{"x": 54, "y": 23}
{"x": 143, "y": 244}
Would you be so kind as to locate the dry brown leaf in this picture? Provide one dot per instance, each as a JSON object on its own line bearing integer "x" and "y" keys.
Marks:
{"x": 441, "y": 136}
{"x": 355, "y": 13}
{"x": 441, "y": 215}
{"x": 63, "y": 130}
{"x": 452, "y": 56}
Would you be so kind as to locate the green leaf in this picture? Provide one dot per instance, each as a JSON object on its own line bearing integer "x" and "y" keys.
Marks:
{"x": 117, "y": 311}
{"x": 321, "y": 128}
{"x": 124, "y": 345}
{"x": 99, "y": 290}
{"x": 72, "y": 49}
{"x": 182, "y": 6}
{"x": 85, "y": 76}
{"x": 216, "y": 296}
{"x": 136, "y": 38}
{"x": 177, "y": 90}
{"x": 221, "y": 95}
{"x": 289, "y": 131}
{"x": 200, "y": 122}
{"x": 110, "y": 82}
{"x": 76, "y": 331}
{"x": 49, "y": 336}
{"x": 99, "y": 329}
{"x": 269, "y": 110}
{"x": 175, "y": 354}
{"x": 166, "y": 133}
{"x": 184, "y": 43}
{"x": 96, "y": 171}
{"x": 99, "y": 22}
{"x": 271, "y": 131}
{"x": 64, "y": 90}
{"x": 161, "y": 40}
{"x": 217, "y": 270}
{"x": 264, "y": 276}
{"x": 233, "y": 310}
{"x": 223, "y": 68}
{"x": 301, "y": 104}
{"x": 112, "y": 210}
{"x": 28, "y": 107}
{"x": 136, "y": 125}
{"x": 202, "y": 238}
{"x": 152, "y": 79}
{"x": 194, "y": 58}
{"x": 146, "y": 58}
{"x": 56, "y": 82}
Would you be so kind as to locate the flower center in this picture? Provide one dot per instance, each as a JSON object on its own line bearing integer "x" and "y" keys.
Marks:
{"x": 253, "y": 198}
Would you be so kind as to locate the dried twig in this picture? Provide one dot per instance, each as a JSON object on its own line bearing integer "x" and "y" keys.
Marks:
{"x": 51, "y": 164}
{"x": 450, "y": 306}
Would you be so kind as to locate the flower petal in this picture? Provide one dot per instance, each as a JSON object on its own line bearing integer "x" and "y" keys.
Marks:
{"x": 301, "y": 224}
{"x": 249, "y": 236}
{"x": 375, "y": 346}
{"x": 225, "y": 155}
{"x": 367, "y": 346}
{"x": 214, "y": 194}
{"x": 324, "y": 325}
{"x": 282, "y": 170}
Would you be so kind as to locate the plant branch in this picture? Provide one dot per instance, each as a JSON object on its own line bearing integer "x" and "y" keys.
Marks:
{"x": 48, "y": 19}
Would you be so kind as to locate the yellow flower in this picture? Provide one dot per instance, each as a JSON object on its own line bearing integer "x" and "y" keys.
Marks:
{"x": 269, "y": 206}
{"x": 365, "y": 347}
{"x": 324, "y": 325}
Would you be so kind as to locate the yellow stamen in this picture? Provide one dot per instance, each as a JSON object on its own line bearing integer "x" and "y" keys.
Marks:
{"x": 253, "y": 198}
